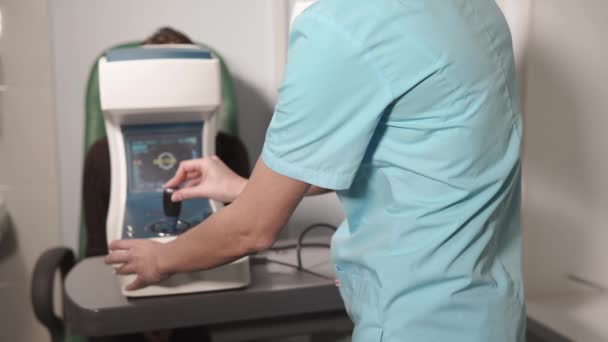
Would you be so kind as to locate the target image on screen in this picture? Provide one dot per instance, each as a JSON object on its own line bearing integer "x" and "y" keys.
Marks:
{"x": 155, "y": 158}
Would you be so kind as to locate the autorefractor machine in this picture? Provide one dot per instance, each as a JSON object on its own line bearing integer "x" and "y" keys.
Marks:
{"x": 160, "y": 107}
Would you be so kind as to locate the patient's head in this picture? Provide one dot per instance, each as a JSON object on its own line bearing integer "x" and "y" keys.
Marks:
{"x": 167, "y": 35}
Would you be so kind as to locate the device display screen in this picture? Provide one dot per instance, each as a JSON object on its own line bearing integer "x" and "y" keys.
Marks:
{"x": 155, "y": 158}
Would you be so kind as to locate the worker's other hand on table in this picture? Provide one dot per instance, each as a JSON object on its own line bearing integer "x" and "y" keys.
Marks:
{"x": 141, "y": 257}
{"x": 206, "y": 178}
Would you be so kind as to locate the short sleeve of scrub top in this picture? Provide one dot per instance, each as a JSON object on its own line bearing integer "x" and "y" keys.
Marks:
{"x": 330, "y": 103}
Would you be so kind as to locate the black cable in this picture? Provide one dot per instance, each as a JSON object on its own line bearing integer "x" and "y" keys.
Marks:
{"x": 308, "y": 229}
{"x": 304, "y": 245}
{"x": 299, "y": 245}
{"x": 262, "y": 259}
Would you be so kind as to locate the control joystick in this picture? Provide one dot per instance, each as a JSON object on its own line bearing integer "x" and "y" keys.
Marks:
{"x": 171, "y": 209}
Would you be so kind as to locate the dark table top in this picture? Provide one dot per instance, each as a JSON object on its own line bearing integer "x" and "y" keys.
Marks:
{"x": 94, "y": 305}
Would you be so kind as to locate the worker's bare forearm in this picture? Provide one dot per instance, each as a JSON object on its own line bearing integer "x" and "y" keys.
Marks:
{"x": 315, "y": 190}
{"x": 251, "y": 223}
{"x": 234, "y": 231}
{"x": 312, "y": 191}
{"x": 216, "y": 241}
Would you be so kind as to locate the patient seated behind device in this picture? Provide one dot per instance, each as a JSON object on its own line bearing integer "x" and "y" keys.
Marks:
{"x": 160, "y": 107}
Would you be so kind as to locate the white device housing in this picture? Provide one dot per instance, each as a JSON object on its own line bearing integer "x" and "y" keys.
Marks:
{"x": 156, "y": 91}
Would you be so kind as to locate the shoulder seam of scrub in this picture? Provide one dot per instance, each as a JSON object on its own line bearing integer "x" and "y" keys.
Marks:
{"x": 314, "y": 14}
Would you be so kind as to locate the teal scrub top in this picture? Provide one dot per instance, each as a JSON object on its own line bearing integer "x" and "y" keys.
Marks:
{"x": 409, "y": 109}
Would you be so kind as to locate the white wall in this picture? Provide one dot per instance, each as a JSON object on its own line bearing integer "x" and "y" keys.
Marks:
{"x": 28, "y": 161}
{"x": 517, "y": 13}
{"x": 244, "y": 32}
{"x": 565, "y": 160}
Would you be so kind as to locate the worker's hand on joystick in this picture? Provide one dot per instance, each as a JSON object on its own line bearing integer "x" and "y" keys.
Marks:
{"x": 206, "y": 178}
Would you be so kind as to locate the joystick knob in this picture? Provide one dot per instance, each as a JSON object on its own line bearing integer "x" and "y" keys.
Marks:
{"x": 171, "y": 209}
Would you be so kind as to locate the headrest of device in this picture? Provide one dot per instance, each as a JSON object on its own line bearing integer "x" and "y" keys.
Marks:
{"x": 157, "y": 52}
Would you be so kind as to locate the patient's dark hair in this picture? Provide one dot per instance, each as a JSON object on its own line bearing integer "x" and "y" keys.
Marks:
{"x": 168, "y": 35}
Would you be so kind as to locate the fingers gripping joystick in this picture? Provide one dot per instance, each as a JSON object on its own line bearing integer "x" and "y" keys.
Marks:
{"x": 171, "y": 209}
{"x": 170, "y": 225}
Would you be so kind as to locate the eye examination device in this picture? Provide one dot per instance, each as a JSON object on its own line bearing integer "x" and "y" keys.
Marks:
{"x": 160, "y": 105}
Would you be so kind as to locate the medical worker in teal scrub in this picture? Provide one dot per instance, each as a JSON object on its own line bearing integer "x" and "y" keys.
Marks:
{"x": 409, "y": 110}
